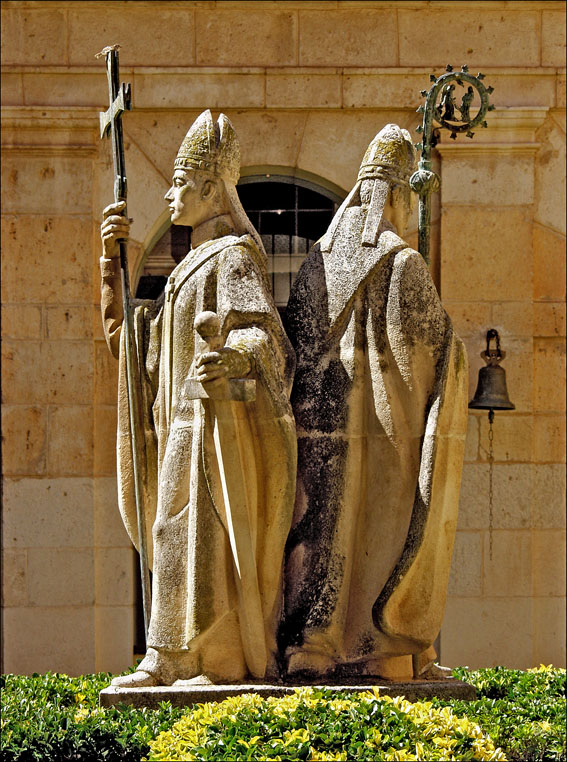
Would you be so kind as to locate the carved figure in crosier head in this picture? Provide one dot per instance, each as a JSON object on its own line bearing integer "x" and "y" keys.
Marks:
{"x": 380, "y": 404}
{"x": 466, "y": 102}
{"x": 448, "y": 103}
{"x": 217, "y": 510}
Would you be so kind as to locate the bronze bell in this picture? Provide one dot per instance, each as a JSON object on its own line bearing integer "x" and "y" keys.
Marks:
{"x": 491, "y": 392}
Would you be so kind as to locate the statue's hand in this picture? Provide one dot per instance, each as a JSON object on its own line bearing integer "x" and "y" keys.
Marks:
{"x": 225, "y": 362}
{"x": 115, "y": 227}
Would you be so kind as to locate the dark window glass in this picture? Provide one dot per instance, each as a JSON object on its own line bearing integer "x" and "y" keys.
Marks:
{"x": 289, "y": 214}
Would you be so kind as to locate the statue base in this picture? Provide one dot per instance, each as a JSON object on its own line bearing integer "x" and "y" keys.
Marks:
{"x": 187, "y": 692}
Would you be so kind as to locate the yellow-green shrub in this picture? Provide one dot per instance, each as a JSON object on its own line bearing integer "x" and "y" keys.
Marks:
{"x": 314, "y": 724}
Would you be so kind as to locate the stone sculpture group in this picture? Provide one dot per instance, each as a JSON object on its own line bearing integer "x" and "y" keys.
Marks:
{"x": 300, "y": 493}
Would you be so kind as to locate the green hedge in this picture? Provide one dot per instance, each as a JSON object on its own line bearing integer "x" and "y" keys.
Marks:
{"x": 518, "y": 716}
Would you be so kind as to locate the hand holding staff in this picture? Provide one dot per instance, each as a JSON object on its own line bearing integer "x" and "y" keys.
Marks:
{"x": 115, "y": 230}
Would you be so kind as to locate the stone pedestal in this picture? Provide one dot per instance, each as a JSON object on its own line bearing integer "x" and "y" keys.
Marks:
{"x": 186, "y": 692}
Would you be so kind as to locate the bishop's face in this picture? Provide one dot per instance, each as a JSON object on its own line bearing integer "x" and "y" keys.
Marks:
{"x": 185, "y": 200}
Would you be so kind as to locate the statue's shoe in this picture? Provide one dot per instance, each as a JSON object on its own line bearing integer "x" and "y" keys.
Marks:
{"x": 137, "y": 679}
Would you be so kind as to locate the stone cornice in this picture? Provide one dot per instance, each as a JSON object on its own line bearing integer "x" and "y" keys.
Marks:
{"x": 496, "y": 5}
{"x": 510, "y": 127}
{"x": 37, "y": 130}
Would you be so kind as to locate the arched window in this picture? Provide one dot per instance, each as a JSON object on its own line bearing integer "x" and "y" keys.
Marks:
{"x": 289, "y": 213}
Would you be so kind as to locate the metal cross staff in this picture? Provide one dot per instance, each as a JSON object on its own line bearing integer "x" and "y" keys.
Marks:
{"x": 111, "y": 122}
{"x": 425, "y": 182}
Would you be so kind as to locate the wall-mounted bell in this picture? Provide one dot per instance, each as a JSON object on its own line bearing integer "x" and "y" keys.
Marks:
{"x": 491, "y": 392}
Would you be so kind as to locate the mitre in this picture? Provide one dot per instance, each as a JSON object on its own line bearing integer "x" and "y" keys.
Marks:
{"x": 211, "y": 147}
{"x": 390, "y": 156}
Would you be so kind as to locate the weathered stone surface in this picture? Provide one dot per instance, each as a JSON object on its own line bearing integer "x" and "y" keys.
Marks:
{"x": 509, "y": 572}
{"x": 28, "y": 650}
{"x": 469, "y": 318}
{"x": 38, "y": 268}
{"x": 553, "y": 38}
{"x": 106, "y": 375}
{"x": 512, "y": 437}
{"x": 24, "y": 437}
{"x": 217, "y": 518}
{"x": 272, "y": 137}
{"x": 105, "y": 440}
{"x": 510, "y": 275}
{"x": 466, "y": 565}
{"x": 78, "y": 459}
{"x": 51, "y": 185}
{"x": 492, "y": 179}
{"x": 549, "y": 562}
{"x": 549, "y": 264}
{"x": 548, "y": 500}
{"x": 186, "y": 695}
{"x": 65, "y": 89}
{"x": 14, "y": 578}
{"x": 60, "y": 577}
{"x": 302, "y": 89}
{"x": 486, "y": 632}
{"x": 549, "y": 319}
{"x": 363, "y": 315}
{"x": 499, "y": 38}
{"x": 364, "y": 88}
{"x": 550, "y": 207}
{"x": 12, "y": 90}
{"x": 200, "y": 88}
{"x": 114, "y": 576}
{"x": 114, "y": 632}
{"x": 347, "y": 38}
{"x": 515, "y": 318}
{"x": 549, "y": 362}
{"x": 21, "y": 321}
{"x": 50, "y": 371}
{"x": 109, "y": 530}
{"x": 549, "y": 439}
{"x": 561, "y": 90}
{"x": 521, "y": 88}
{"x": 231, "y": 37}
{"x": 549, "y": 631}
{"x": 472, "y": 441}
{"x": 351, "y": 130}
{"x": 48, "y": 513}
{"x": 68, "y": 322}
{"x": 144, "y": 41}
{"x": 512, "y": 496}
{"x": 28, "y": 35}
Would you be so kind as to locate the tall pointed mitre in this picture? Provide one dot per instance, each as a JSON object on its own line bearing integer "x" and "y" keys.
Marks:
{"x": 211, "y": 147}
{"x": 389, "y": 160}
{"x": 390, "y": 156}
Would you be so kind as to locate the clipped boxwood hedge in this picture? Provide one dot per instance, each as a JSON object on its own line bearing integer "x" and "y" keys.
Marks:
{"x": 518, "y": 716}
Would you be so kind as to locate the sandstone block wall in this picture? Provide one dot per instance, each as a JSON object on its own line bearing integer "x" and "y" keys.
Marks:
{"x": 307, "y": 85}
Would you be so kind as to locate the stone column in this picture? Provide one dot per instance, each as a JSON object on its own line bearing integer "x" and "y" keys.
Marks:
{"x": 491, "y": 260}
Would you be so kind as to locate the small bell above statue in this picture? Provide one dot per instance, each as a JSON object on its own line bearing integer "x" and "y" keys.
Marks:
{"x": 491, "y": 392}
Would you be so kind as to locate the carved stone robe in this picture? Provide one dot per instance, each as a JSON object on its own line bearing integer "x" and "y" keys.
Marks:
{"x": 380, "y": 405}
{"x": 195, "y": 609}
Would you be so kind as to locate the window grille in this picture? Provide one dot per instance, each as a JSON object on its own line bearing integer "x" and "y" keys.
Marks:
{"x": 289, "y": 213}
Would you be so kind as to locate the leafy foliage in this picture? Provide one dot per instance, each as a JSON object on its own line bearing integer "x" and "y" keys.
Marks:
{"x": 517, "y": 716}
{"x": 524, "y": 712}
{"x": 315, "y": 724}
{"x": 57, "y": 717}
